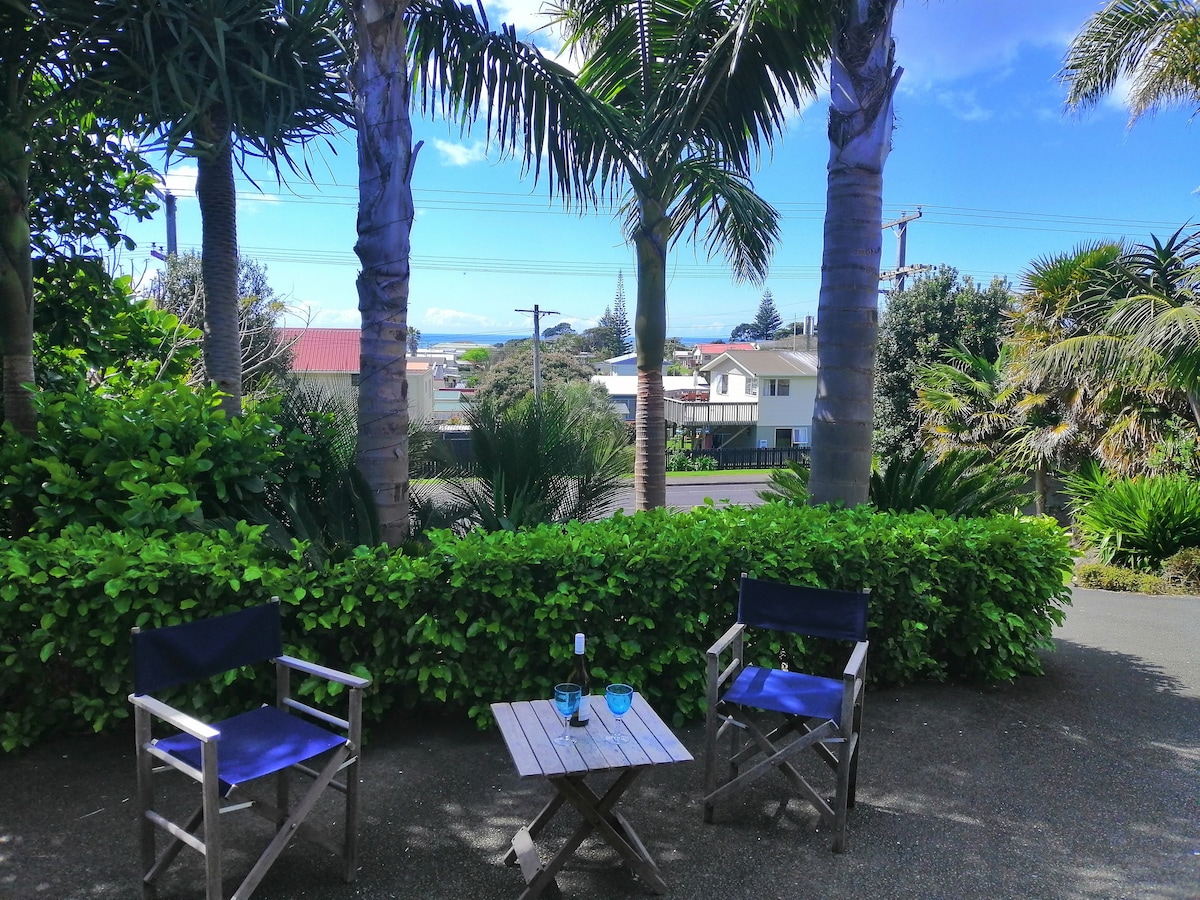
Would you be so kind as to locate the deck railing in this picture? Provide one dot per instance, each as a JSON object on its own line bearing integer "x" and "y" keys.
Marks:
{"x": 694, "y": 413}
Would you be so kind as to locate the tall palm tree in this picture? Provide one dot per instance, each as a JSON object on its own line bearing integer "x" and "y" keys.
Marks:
{"x": 1150, "y": 42}
{"x": 670, "y": 105}
{"x": 380, "y": 85}
{"x": 211, "y": 77}
{"x": 863, "y": 78}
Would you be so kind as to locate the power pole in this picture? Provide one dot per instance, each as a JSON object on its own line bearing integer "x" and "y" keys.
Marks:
{"x": 172, "y": 242}
{"x": 537, "y": 347}
{"x": 898, "y": 274}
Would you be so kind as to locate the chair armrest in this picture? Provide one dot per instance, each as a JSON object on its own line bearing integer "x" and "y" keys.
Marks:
{"x": 726, "y": 639}
{"x": 169, "y": 714}
{"x": 308, "y": 668}
{"x": 858, "y": 661}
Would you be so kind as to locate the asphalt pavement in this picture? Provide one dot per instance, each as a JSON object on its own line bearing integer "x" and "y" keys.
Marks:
{"x": 1083, "y": 783}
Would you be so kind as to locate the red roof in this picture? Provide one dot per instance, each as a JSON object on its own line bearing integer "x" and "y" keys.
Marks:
{"x": 323, "y": 349}
{"x": 714, "y": 349}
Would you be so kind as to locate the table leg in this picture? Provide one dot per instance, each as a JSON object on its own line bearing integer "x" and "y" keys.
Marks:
{"x": 539, "y": 822}
{"x": 615, "y": 828}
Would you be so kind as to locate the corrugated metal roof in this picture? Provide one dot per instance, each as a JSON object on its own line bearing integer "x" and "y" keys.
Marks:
{"x": 713, "y": 349}
{"x": 323, "y": 349}
{"x": 770, "y": 362}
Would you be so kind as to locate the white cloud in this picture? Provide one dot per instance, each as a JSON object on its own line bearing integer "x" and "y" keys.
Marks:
{"x": 181, "y": 181}
{"x": 461, "y": 154}
{"x": 947, "y": 40}
{"x": 964, "y": 105}
{"x": 440, "y": 319}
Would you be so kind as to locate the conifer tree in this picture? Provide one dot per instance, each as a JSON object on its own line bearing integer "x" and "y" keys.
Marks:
{"x": 768, "y": 320}
{"x": 621, "y": 317}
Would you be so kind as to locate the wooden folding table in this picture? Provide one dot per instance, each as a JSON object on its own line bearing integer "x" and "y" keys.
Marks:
{"x": 529, "y": 729}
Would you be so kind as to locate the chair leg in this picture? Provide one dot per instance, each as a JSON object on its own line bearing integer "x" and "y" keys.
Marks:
{"x": 846, "y": 753}
{"x": 145, "y": 797}
{"x": 211, "y": 789}
{"x": 856, "y": 737}
{"x": 711, "y": 726}
{"x": 353, "y": 782}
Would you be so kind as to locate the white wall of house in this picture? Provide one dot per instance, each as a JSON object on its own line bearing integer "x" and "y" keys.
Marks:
{"x": 785, "y": 399}
{"x": 345, "y": 386}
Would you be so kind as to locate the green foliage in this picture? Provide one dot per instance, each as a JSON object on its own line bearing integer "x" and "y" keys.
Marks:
{"x": 960, "y": 483}
{"x": 1137, "y": 522}
{"x": 787, "y": 484}
{"x": 143, "y": 457}
{"x": 1181, "y": 571}
{"x": 1104, "y": 577}
{"x": 553, "y": 461}
{"x": 938, "y": 312}
{"x": 487, "y": 616}
{"x": 510, "y": 378}
{"x": 682, "y": 462}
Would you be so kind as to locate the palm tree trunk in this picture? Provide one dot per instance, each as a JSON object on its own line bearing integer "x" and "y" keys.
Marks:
{"x": 218, "y": 266}
{"x": 16, "y": 283}
{"x": 650, "y": 336}
{"x": 386, "y": 157}
{"x": 860, "y": 128}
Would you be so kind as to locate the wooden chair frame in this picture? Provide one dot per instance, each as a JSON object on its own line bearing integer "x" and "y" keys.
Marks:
{"x": 289, "y": 820}
{"x": 835, "y": 742}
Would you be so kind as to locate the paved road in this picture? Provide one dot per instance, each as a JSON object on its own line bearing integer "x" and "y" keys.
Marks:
{"x": 689, "y": 491}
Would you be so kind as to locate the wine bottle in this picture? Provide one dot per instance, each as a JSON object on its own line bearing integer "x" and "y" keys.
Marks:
{"x": 579, "y": 675}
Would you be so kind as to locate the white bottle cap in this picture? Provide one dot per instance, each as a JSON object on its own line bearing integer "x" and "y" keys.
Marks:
{"x": 579, "y": 642}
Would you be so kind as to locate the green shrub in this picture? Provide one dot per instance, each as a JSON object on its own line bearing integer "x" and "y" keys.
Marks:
{"x": 489, "y": 616}
{"x": 683, "y": 462}
{"x": 1138, "y": 522}
{"x": 160, "y": 455}
{"x": 1114, "y": 578}
{"x": 1181, "y": 571}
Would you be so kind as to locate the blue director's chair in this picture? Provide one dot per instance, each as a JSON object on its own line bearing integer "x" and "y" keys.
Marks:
{"x": 807, "y": 711}
{"x": 288, "y": 737}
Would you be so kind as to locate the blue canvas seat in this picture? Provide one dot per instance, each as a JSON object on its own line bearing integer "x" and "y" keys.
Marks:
{"x": 809, "y": 711}
{"x": 273, "y": 740}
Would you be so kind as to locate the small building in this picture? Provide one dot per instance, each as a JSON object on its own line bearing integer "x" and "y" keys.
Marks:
{"x": 328, "y": 359}
{"x": 623, "y": 389}
{"x": 756, "y": 399}
{"x": 702, "y": 354}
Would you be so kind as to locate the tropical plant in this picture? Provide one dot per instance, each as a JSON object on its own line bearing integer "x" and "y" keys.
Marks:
{"x": 863, "y": 78}
{"x": 1139, "y": 522}
{"x": 937, "y": 312}
{"x": 379, "y": 82}
{"x": 252, "y": 76}
{"x": 554, "y": 460}
{"x": 1135, "y": 339}
{"x": 670, "y": 105}
{"x": 1150, "y": 43}
{"x": 959, "y": 483}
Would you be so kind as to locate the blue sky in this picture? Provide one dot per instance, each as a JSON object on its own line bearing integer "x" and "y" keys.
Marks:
{"x": 983, "y": 146}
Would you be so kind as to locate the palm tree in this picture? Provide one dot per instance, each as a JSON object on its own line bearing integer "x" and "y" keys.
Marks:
{"x": 206, "y": 75}
{"x": 863, "y": 79}
{"x": 671, "y": 104}
{"x": 1151, "y": 42}
{"x": 380, "y": 85}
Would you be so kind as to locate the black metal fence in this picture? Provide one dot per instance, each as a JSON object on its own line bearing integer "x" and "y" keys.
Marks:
{"x": 754, "y": 457}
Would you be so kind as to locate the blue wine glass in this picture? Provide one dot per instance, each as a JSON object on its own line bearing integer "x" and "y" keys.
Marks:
{"x": 619, "y": 698}
{"x": 566, "y": 700}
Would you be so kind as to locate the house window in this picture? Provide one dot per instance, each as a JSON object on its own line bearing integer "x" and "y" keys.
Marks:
{"x": 354, "y": 379}
{"x": 779, "y": 387}
{"x": 722, "y": 383}
{"x": 783, "y": 438}
{"x": 752, "y": 387}
{"x": 800, "y": 437}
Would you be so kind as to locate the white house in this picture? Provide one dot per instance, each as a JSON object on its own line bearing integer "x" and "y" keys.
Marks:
{"x": 756, "y": 398}
{"x": 623, "y": 389}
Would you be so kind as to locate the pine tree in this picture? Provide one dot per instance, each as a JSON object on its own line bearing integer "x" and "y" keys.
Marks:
{"x": 621, "y": 317}
{"x": 768, "y": 320}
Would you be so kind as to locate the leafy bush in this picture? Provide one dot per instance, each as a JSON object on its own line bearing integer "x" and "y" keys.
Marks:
{"x": 1181, "y": 571}
{"x": 1137, "y": 522}
{"x": 960, "y": 483}
{"x": 488, "y": 616}
{"x": 684, "y": 462}
{"x": 1114, "y": 578}
{"x": 123, "y": 456}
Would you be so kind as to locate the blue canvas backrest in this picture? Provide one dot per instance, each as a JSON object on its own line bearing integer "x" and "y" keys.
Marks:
{"x": 178, "y": 654}
{"x": 818, "y": 612}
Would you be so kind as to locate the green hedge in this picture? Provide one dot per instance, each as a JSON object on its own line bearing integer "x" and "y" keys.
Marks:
{"x": 490, "y": 616}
